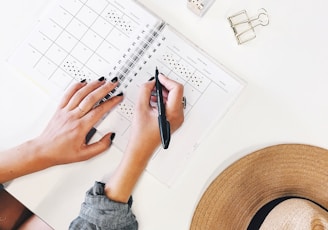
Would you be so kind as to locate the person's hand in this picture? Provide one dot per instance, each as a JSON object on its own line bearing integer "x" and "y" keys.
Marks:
{"x": 145, "y": 129}
{"x": 145, "y": 136}
{"x": 63, "y": 140}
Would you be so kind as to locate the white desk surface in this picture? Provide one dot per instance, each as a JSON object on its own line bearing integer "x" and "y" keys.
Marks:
{"x": 285, "y": 101}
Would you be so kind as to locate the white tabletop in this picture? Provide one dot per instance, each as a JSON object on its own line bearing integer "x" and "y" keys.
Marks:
{"x": 285, "y": 101}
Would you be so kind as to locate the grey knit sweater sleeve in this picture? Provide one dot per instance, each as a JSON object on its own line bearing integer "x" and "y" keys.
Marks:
{"x": 99, "y": 212}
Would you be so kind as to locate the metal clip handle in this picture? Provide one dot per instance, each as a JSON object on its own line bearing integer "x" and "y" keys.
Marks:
{"x": 243, "y": 26}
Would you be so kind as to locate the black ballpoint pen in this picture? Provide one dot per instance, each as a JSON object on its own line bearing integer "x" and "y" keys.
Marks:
{"x": 164, "y": 125}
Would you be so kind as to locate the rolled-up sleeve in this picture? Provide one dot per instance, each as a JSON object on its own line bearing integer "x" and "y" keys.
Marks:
{"x": 99, "y": 212}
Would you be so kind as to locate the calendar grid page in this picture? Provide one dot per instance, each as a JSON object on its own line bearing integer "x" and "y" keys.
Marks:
{"x": 82, "y": 40}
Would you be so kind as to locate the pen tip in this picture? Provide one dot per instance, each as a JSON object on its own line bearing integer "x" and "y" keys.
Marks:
{"x": 156, "y": 72}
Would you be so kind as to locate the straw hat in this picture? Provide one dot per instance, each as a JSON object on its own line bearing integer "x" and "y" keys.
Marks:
{"x": 236, "y": 195}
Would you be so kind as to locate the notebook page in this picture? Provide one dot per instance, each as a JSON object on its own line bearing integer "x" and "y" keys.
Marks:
{"x": 209, "y": 90}
{"x": 82, "y": 40}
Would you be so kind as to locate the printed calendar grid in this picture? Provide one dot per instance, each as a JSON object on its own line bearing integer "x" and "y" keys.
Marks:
{"x": 76, "y": 68}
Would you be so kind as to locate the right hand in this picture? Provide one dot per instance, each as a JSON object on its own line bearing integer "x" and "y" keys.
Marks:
{"x": 144, "y": 137}
{"x": 145, "y": 131}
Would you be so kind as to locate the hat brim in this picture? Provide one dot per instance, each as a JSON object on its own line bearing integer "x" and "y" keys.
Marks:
{"x": 241, "y": 190}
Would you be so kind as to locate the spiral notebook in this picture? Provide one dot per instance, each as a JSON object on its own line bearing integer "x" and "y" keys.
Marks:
{"x": 87, "y": 39}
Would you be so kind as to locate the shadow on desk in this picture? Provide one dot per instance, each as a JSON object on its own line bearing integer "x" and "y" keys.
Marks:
{"x": 14, "y": 215}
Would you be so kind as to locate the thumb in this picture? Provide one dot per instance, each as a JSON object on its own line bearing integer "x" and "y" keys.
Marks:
{"x": 98, "y": 147}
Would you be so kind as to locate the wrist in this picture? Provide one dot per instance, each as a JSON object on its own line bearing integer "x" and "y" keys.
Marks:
{"x": 120, "y": 185}
{"x": 21, "y": 160}
{"x": 38, "y": 153}
{"x": 143, "y": 145}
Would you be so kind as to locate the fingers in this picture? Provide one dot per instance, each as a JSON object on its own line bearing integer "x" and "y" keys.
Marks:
{"x": 70, "y": 92}
{"x": 81, "y": 94}
{"x": 86, "y": 110}
{"x": 172, "y": 92}
{"x": 82, "y": 97}
{"x": 97, "y": 113}
{"x": 93, "y": 97}
{"x": 85, "y": 99}
{"x": 174, "y": 103}
{"x": 175, "y": 92}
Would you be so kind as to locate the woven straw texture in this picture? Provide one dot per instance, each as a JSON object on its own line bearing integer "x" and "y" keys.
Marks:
{"x": 235, "y": 196}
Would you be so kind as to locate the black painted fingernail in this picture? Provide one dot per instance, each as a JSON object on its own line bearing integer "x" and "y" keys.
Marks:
{"x": 112, "y": 136}
{"x": 152, "y": 78}
{"x": 84, "y": 80}
{"x": 120, "y": 94}
{"x": 114, "y": 79}
{"x": 101, "y": 78}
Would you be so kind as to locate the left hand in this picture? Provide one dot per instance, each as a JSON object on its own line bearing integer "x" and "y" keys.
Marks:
{"x": 63, "y": 140}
